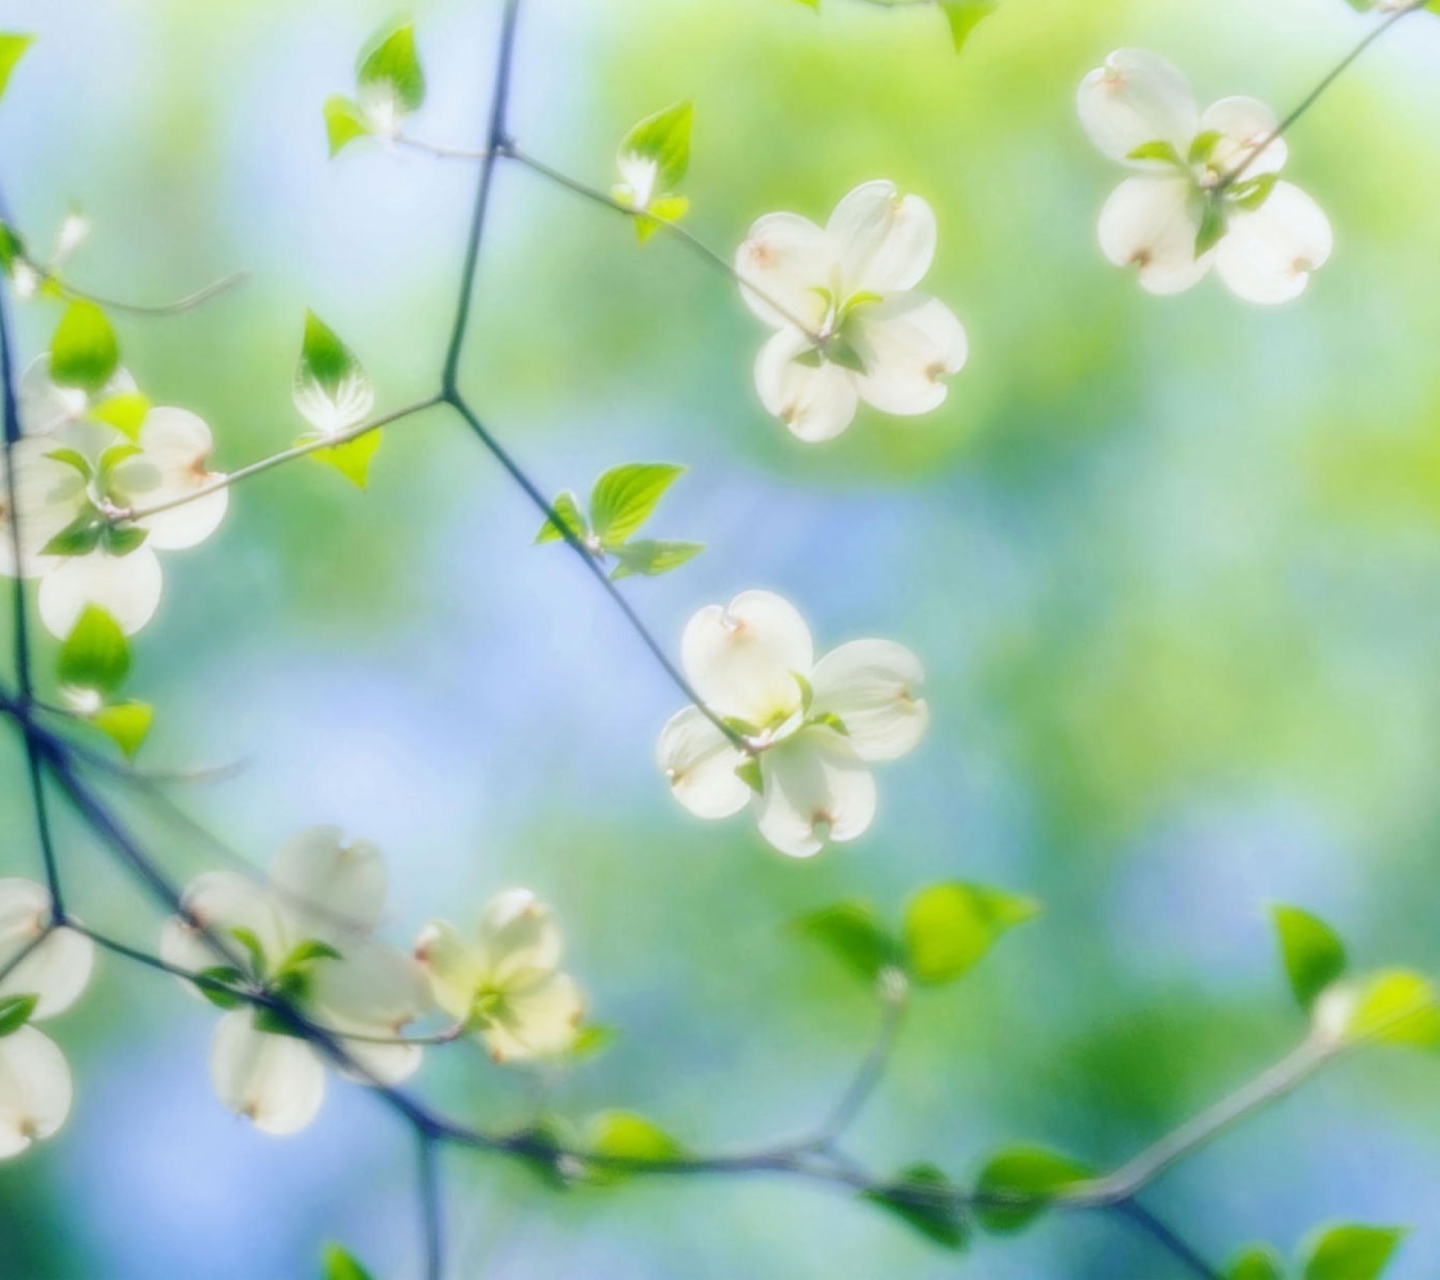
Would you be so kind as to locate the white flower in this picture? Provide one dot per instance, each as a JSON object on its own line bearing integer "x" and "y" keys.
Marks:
{"x": 506, "y": 980}
{"x": 850, "y": 323}
{"x": 1184, "y": 212}
{"x": 74, "y": 472}
{"x": 813, "y": 727}
{"x": 36, "y": 1088}
{"x": 307, "y": 933}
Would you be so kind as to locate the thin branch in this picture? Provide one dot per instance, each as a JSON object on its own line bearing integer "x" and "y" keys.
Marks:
{"x": 304, "y": 450}
{"x": 1167, "y": 1239}
{"x": 190, "y": 302}
{"x": 437, "y": 151}
{"x": 431, "y": 1209}
{"x": 867, "y": 1079}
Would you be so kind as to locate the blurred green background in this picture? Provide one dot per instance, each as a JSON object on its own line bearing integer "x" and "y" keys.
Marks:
{"x": 1173, "y": 566}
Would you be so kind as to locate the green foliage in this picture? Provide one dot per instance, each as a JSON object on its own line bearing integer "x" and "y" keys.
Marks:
{"x": 663, "y": 140}
{"x": 329, "y": 373}
{"x": 96, "y": 654}
{"x": 15, "y": 1012}
{"x": 126, "y": 724}
{"x": 344, "y": 122}
{"x": 567, "y": 507}
{"x": 392, "y": 68}
{"x": 339, "y": 1264}
{"x": 651, "y": 558}
{"x": 352, "y": 458}
{"x": 1212, "y": 227}
{"x": 125, "y": 412}
{"x": 1032, "y": 1176}
{"x": 964, "y": 16}
{"x": 1258, "y": 1262}
{"x": 923, "y": 1197}
{"x": 228, "y": 975}
{"x": 1156, "y": 151}
{"x": 324, "y": 359}
{"x": 1397, "y": 1006}
{"x": 1253, "y": 192}
{"x": 12, "y": 247}
{"x": 12, "y": 49}
{"x": 1312, "y": 951}
{"x": 84, "y": 352}
{"x": 1351, "y": 1252}
{"x": 950, "y": 926}
{"x": 851, "y": 932}
{"x": 591, "y": 1041}
{"x": 90, "y": 530}
{"x": 623, "y": 1135}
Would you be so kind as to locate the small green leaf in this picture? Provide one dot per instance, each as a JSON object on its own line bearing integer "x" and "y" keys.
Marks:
{"x": 662, "y": 209}
{"x": 122, "y": 539}
{"x": 324, "y": 359}
{"x": 926, "y": 1199}
{"x": 851, "y": 931}
{"x": 79, "y": 538}
{"x": 623, "y": 1135}
{"x": 15, "y": 1012}
{"x": 625, "y": 496}
{"x": 567, "y": 508}
{"x": 96, "y": 654}
{"x": 964, "y": 16}
{"x": 1351, "y": 1252}
{"x": 950, "y": 926}
{"x": 308, "y": 952}
{"x": 749, "y": 772}
{"x": 231, "y": 977}
{"x": 664, "y": 141}
{"x": 1203, "y": 147}
{"x": 1157, "y": 150}
{"x": 1313, "y": 954}
{"x": 12, "y": 247}
{"x": 650, "y": 559}
{"x": 1258, "y": 1262}
{"x": 1212, "y": 228}
{"x": 590, "y": 1041}
{"x": 1397, "y": 1006}
{"x": 12, "y": 49}
{"x": 344, "y": 122}
{"x": 125, "y": 412}
{"x": 84, "y": 352}
{"x": 74, "y": 459}
{"x": 393, "y": 68}
{"x": 341, "y": 1265}
{"x": 1253, "y": 192}
{"x": 248, "y": 939}
{"x": 1032, "y": 1176}
{"x": 352, "y": 458}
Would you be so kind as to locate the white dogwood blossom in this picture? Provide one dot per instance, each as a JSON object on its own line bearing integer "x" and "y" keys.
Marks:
{"x": 850, "y": 324}
{"x": 1206, "y": 190}
{"x": 76, "y": 475}
{"x": 811, "y": 728}
{"x": 505, "y": 980}
{"x": 36, "y": 1087}
{"x": 307, "y": 934}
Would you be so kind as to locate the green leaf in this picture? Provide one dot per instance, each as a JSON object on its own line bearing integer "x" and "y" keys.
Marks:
{"x": 308, "y": 952}
{"x": 652, "y": 558}
{"x": 122, "y": 539}
{"x": 1397, "y": 1006}
{"x": 625, "y": 496}
{"x": 75, "y": 459}
{"x": 590, "y": 1041}
{"x": 1212, "y": 228}
{"x": 230, "y": 976}
{"x": 79, "y": 538}
{"x": 1029, "y": 1174}
{"x": 84, "y": 352}
{"x": 662, "y": 209}
{"x": 567, "y": 508}
{"x": 344, "y": 122}
{"x": 750, "y": 773}
{"x": 1258, "y": 1262}
{"x": 624, "y": 1135}
{"x": 248, "y": 939}
{"x": 853, "y": 934}
{"x": 393, "y": 67}
{"x": 125, "y": 412}
{"x": 925, "y": 1198}
{"x": 12, "y": 247}
{"x": 96, "y": 654}
{"x": 12, "y": 49}
{"x": 15, "y": 1012}
{"x": 324, "y": 359}
{"x": 341, "y": 1265}
{"x": 1156, "y": 150}
{"x": 950, "y": 926}
{"x": 352, "y": 458}
{"x": 664, "y": 140}
{"x": 1312, "y": 951}
{"x": 1253, "y": 192}
{"x": 1351, "y": 1252}
{"x": 964, "y": 16}
{"x": 1203, "y": 147}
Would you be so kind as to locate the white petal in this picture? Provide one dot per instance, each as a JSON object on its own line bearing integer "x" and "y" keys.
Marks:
{"x": 784, "y": 260}
{"x": 816, "y": 789}
{"x": 49, "y": 494}
{"x": 1243, "y": 124}
{"x": 816, "y": 401}
{"x": 336, "y": 889}
{"x": 1267, "y": 255}
{"x": 1137, "y": 97}
{"x": 1152, "y": 223}
{"x": 886, "y": 241}
{"x": 175, "y": 447}
{"x": 873, "y": 686}
{"x": 46, "y": 408}
{"x": 126, "y": 587}
{"x": 454, "y": 966}
{"x": 743, "y": 658}
{"x": 539, "y": 1024}
{"x": 276, "y": 1081}
{"x": 58, "y": 970}
{"x": 223, "y": 901}
{"x": 909, "y": 343}
{"x": 36, "y": 1090}
{"x": 700, "y": 762}
{"x": 378, "y": 1064}
{"x": 519, "y": 938}
{"x": 372, "y": 983}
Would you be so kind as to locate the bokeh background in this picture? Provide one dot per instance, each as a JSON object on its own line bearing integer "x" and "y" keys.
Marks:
{"x": 1173, "y": 565}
